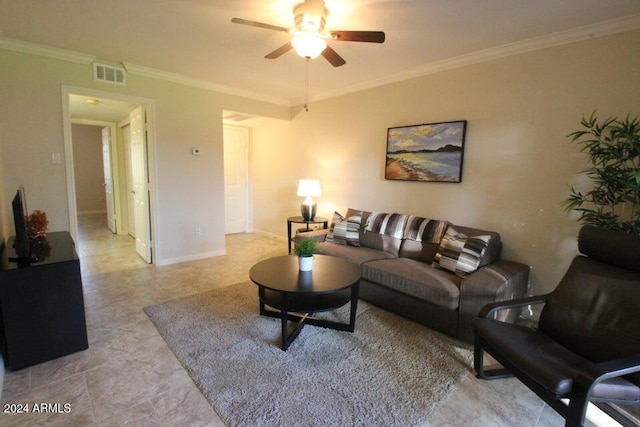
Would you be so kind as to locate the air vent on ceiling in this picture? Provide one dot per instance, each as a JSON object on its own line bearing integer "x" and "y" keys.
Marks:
{"x": 237, "y": 117}
{"x": 108, "y": 74}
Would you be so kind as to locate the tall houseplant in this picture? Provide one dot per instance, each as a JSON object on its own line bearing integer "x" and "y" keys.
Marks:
{"x": 613, "y": 147}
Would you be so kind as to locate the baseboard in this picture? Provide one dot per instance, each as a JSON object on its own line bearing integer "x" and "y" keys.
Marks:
{"x": 196, "y": 257}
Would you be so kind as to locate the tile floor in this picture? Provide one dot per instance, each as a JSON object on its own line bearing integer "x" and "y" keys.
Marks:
{"x": 129, "y": 376}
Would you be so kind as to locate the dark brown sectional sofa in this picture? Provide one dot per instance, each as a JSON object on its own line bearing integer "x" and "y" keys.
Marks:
{"x": 429, "y": 271}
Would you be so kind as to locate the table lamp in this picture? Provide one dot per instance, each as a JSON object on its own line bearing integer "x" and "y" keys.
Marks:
{"x": 308, "y": 188}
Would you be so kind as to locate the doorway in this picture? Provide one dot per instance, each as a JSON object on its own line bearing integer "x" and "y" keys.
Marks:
{"x": 121, "y": 119}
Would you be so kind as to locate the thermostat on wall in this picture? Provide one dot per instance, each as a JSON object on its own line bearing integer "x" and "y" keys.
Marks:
{"x": 195, "y": 151}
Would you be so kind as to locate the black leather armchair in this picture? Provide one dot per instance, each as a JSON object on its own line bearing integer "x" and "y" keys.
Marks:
{"x": 586, "y": 346}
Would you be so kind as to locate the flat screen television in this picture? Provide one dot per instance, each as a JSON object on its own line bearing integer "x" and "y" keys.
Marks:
{"x": 21, "y": 243}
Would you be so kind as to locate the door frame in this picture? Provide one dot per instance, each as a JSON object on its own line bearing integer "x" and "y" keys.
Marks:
{"x": 149, "y": 106}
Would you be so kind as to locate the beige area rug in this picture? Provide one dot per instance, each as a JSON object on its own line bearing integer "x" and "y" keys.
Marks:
{"x": 389, "y": 372}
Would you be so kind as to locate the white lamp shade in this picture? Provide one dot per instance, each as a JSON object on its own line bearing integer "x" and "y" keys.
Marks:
{"x": 309, "y": 188}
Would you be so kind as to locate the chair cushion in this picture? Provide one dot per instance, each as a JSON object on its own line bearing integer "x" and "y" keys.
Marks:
{"x": 548, "y": 363}
{"x": 594, "y": 311}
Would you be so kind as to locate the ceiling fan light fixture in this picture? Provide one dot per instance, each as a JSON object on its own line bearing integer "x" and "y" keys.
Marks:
{"x": 309, "y": 45}
{"x": 309, "y": 38}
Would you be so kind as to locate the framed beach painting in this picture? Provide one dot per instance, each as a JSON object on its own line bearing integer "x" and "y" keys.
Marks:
{"x": 430, "y": 152}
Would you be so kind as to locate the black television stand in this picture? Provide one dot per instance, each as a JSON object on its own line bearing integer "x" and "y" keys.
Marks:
{"x": 22, "y": 261}
{"x": 41, "y": 304}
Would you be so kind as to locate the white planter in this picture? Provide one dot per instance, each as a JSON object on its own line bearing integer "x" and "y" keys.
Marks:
{"x": 305, "y": 262}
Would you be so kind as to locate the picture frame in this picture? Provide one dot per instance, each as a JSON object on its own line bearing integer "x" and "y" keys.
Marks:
{"x": 431, "y": 152}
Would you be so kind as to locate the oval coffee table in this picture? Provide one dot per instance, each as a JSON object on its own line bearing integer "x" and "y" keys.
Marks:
{"x": 296, "y": 295}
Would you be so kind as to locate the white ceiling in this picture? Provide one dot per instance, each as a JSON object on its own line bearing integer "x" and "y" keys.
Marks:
{"x": 196, "y": 40}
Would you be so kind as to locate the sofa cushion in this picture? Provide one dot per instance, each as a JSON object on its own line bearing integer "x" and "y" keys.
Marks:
{"x": 460, "y": 253}
{"x": 415, "y": 278}
{"x": 356, "y": 255}
{"x": 345, "y": 230}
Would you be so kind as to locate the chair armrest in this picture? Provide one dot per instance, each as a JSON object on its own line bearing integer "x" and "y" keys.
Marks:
{"x": 491, "y": 308}
{"x": 610, "y": 369}
{"x": 589, "y": 379}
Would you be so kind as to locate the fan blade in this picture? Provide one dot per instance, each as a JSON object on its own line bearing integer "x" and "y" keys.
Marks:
{"x": 333, "y": 57}
{"x": 279, "y": 51}
{"x": 258, "y": 24}
{"x": 358, "y": 36}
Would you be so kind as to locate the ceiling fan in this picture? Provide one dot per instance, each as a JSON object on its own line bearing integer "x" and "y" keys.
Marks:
{"x": 309, "y": 37}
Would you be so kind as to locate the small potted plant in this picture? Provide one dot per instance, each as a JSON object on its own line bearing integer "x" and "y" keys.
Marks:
{"x": 305, "y": 248}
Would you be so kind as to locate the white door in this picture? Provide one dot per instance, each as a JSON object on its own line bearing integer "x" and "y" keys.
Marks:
{"x": 140, "y": 177}
{"x": 236, "y": 147}
{"x": 108, "y": 179}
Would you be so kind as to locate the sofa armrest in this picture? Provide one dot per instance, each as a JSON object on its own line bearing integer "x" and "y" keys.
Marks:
{"x": 319, "y": 235}
{"x": 501, "y": 280}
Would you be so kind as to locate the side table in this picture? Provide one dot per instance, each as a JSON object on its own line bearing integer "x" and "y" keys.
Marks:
{"x": 300, "y": 220}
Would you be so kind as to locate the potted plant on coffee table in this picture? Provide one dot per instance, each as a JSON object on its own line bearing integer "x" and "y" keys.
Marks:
{"x": 305, "y": 248}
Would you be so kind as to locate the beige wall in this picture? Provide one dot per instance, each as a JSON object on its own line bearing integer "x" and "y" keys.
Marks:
{"x": 188, "y": 189}
{"x": 88, "y": 168}
{"x": 518, "y": 164}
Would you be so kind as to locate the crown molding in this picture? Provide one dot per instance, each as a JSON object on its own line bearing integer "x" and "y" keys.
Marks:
{"x": 202, "y": 84}
{"x": 85, "y": 59}
{"x": 605, "y": 28}
{"x": 601, "y": 29}
{"x": 46, "y": 51}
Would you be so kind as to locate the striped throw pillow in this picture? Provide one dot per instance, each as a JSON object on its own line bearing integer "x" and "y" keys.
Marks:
{"x": 345, "y": 231}
{"x": 459, "y": 253}
{"x": 424, "y": 229}
{"x": 387, "y": 224}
